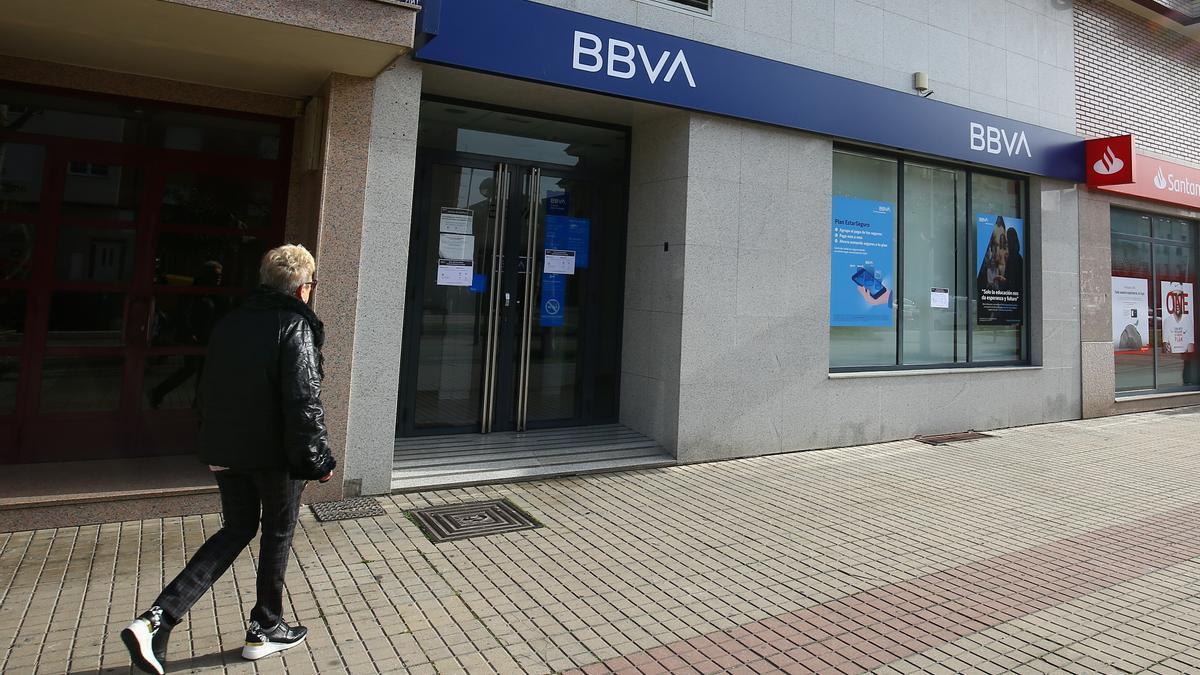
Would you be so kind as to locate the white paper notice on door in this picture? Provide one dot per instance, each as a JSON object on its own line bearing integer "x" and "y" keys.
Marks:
{"x": 456, "y": 247}
{"x": 559, "y": 262}
{"x": 456, "y": 221}
{"x": 454, "y": 272}
{"x": 939, "y": 298}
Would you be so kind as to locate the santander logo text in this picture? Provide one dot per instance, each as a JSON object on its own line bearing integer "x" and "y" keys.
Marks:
{"x": 995, "y": 141}
{"x": 621, "y": 59}
{"x": 1109, "y": 163}
{"x": 1160, "y": 181}
{"x": 1172, "y": 184}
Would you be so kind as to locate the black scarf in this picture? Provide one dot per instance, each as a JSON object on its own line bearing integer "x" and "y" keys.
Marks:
{"x": 265, "y": 297}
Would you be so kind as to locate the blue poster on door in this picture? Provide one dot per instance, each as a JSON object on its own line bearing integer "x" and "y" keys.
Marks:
{"x": 571, "y": 234}
{"x": 862, "y": 262}
{"x": 1000, "y": 269}
{"x": 554, "y": 295}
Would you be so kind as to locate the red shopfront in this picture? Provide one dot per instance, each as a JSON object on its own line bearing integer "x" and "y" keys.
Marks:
{"x": 126, "y": 229}
{"x": 1154, "y": 257}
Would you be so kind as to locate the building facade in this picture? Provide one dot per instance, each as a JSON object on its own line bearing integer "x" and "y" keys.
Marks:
{"x": 564, "y": 236}
{"x": 1137, "y": 242}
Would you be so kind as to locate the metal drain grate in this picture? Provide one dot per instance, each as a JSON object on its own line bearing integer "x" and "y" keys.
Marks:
{"x": 475, "y": 519}
{"x": 951, "y": 438}
{"x": 357, "y": 507}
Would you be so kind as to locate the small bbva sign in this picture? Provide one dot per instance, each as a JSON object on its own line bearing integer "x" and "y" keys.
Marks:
{"x": 620, "y": 59}
{"x": 995, "y": 140}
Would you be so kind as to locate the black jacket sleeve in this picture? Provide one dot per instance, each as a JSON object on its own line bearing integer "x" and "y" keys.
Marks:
{"x": 305, "y": 439}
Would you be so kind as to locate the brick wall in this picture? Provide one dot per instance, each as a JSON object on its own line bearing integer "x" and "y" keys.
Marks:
{"x": 1132, "y": 75}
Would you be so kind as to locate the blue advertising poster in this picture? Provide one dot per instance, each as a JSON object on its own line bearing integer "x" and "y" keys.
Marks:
{"x": 571, "y": 234}
{"x": 554, "y": 288}
{"x": 861, "y": 270}
{"x": 1000, "y": 266}
{"x": 478, "y": 283}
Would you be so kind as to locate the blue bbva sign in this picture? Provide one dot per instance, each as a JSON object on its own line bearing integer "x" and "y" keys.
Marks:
{"x": 531, "y": 41}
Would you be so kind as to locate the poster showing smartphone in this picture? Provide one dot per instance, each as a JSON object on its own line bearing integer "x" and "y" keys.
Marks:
{"x": 862, "y": 262}
{"x": 1130, "y": 315}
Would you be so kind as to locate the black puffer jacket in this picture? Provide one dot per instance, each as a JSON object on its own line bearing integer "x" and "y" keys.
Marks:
{"x": 260, "y": 391}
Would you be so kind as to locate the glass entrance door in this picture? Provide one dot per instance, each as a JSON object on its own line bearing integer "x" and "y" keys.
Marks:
{"x": 508, "y": 265}
{"x": 129, "y": 229}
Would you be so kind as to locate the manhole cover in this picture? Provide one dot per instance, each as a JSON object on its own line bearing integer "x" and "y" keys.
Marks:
{"x": 951, "y": 438}
{"x": 475, "y": 519}
{"x": 356, "y": 507}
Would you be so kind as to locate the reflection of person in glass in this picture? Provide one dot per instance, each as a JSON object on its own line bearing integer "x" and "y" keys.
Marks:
{"x": 196, "y": 316}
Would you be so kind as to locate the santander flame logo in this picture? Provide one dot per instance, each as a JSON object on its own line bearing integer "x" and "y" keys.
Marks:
{"x": 1160, "y": 181}
{"x": 1109, "y": 163}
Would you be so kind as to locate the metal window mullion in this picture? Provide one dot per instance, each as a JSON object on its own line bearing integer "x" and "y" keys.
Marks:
{"x": 898, "y": 296}
{"x": 971, "y": 290}
{"x": 1156, "y": 311}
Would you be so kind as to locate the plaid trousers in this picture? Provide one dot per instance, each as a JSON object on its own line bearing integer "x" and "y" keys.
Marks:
{"x": 244, "y": 495}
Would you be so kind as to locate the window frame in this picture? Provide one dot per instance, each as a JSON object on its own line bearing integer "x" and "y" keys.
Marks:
{"x": 681, "y": 6}
{"x": 1026, "y": 310}
{"x": 1154, "y": 283}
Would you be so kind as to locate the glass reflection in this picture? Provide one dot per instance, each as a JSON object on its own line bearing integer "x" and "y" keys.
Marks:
{"x": 187, "y": 320}
{"x": 20, "y": 174}
{"x": 138, "y": 123}
{"x": 16, "y": 250}
{"x": 86, "y": 319}
{"x": 217, "y": 201}
{"x": 102, "y": 191}
{"x": 86, "y": 384}
{"x": 10, "y": 370}
{"x": 90, "y": 254}
{"x": 12, "y": 316}
{"x": 182, "y": 259}
{"x": 170, "y": 381}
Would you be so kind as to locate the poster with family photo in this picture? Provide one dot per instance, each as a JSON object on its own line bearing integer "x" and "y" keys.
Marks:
{"x": 1000, "y": 257}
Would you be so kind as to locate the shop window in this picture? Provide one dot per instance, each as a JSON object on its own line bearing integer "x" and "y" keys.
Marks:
{"x": 1153, "y": 282}
{"x": 927, "y": 265}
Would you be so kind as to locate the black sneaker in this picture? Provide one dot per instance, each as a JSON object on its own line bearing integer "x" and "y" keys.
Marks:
{"x": 260, "y": 643}
{"x": 146, "y": 639}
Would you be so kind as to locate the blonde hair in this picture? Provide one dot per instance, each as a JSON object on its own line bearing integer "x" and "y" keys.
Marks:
{"x": 287, "y": 267}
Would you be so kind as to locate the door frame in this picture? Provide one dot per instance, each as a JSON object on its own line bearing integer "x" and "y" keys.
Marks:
{"x": 417, "y": 273}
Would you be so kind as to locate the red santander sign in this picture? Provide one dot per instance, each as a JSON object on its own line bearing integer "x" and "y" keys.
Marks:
{"x": 1161, "y": 181}
{"x": 1110, "y": 161}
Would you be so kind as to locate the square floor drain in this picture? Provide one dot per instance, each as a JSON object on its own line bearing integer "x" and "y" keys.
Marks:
{"x": 951, "y": 438}
{"x": 356, "y": 507}
{"x": 474, "y": 519}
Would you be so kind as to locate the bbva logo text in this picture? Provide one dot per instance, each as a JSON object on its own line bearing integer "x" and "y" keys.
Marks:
{"x": 623, "y": 58}
{"x": 995, "y": 140}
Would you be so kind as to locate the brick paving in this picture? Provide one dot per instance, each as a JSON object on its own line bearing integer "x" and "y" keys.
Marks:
{"x": 1059, "y": 548}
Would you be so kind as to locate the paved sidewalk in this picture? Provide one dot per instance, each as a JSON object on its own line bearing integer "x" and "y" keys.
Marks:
{"x": 1069, "y": 547}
